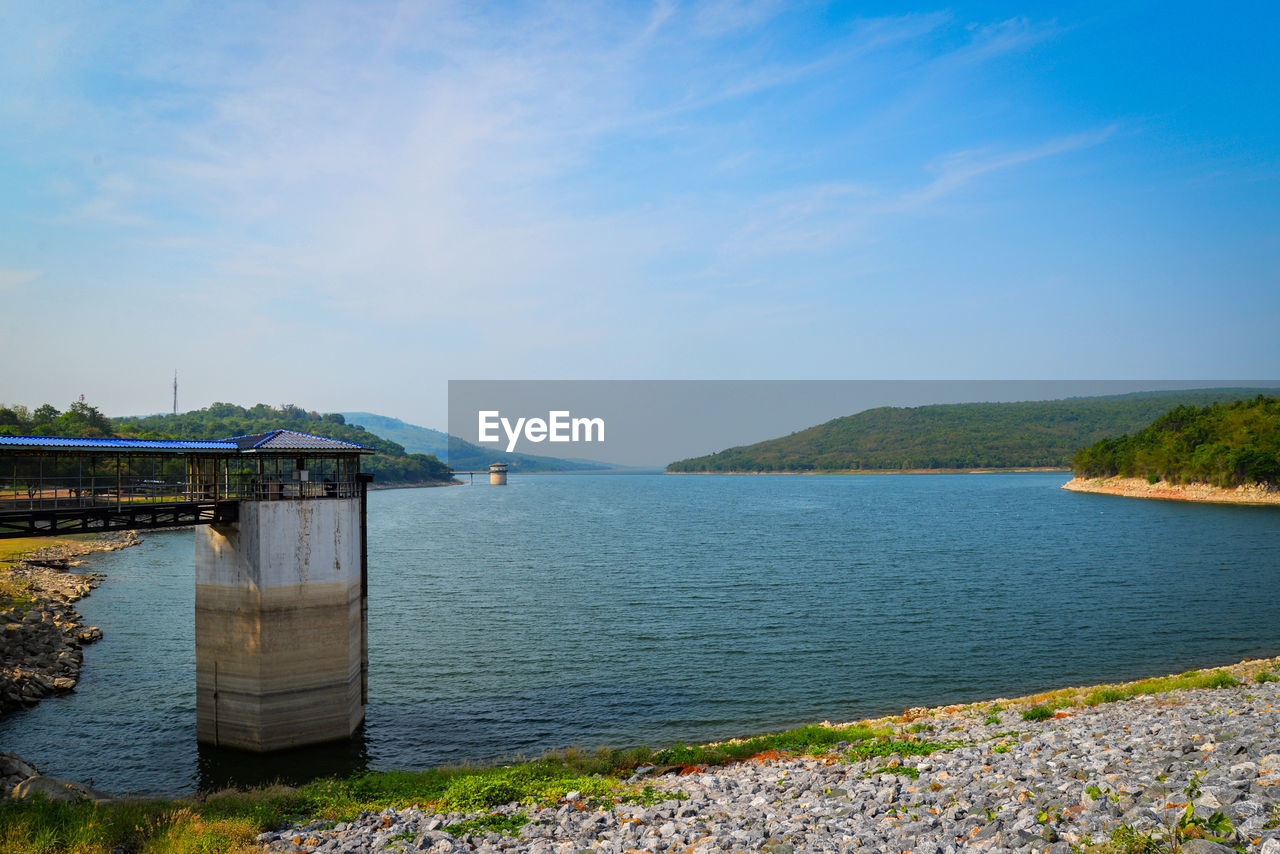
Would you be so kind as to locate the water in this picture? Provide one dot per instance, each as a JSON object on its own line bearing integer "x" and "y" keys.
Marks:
{"x": 595, "y": 609}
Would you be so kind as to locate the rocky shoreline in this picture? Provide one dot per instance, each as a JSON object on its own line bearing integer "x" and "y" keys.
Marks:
{"x": 43, "y": 635}
{"x": 41, "y": 648}
{"x": 1136, "y": 487}
{"x": 1197, "y": 771}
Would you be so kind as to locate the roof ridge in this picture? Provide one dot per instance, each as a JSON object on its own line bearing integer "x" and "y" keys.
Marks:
{"x": 302, "y": 442}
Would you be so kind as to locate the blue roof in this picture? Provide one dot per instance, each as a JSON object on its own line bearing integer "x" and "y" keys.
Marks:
{"x": 276, "y": 440}
{"x": 116, "y": 444}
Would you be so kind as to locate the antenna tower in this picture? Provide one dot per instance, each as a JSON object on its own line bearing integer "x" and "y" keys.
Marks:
{"x": 175, "y": 392}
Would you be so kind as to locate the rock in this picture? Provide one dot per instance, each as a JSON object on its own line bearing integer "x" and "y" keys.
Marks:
{"x": 13, "y": 765}
{"x": 57, "y": 789}
{"x": 1204, "y": 846}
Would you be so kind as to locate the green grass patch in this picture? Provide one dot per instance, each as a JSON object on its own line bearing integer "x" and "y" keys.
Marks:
{"x": 12, "y": 550}
{"x": 227, "y": 822}
{"x": 1125, "y": 840}
{"x": 343, "y": 799}
{"x": 1265, "y": 676}
{"x": 40, "y": 826}
{"x": 1105, "y": 695}
{"x": 15, "y": 593}
{"x": 878, "y": 747}
{"x": 1162, "y": 684}
{"x": 1037, "y": 713}
{"x": 535, "y": 782}
{"x": 507, "y": 825}
{"x": 806, "y": 739}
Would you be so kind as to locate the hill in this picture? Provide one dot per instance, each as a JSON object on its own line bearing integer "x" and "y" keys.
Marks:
{"x": 1027, "y": 434}
{"x": 1224, "y": 445}
{"x": 391, "y": 465}
{"x": 462, "y": 456}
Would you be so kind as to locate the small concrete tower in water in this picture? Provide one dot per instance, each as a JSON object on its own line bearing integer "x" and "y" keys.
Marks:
{"x": 282, "y": 598}
{"x": 497, "y": 474}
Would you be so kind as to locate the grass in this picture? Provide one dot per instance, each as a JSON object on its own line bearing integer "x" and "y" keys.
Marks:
{"x": 227, "y": 822}
{"x": 806, "y": 739}
{"x": 507, "y": 825}
{"x": 1125, "y": 840}
{"x": 11, "y": 551}
{"x": 1061, "y": 698}
{"x": 1161, "y": 685}
{"x": 883, "y": 746}
{"x": 15, "y": 593}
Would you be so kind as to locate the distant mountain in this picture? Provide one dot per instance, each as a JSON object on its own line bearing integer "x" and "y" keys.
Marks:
{"x": 462, "y": 456}
{"x": 1032, "y": 434}
{"x": 415, "y": 439}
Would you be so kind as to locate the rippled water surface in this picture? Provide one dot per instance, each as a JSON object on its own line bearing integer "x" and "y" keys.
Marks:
{"x": 596, "y": 609}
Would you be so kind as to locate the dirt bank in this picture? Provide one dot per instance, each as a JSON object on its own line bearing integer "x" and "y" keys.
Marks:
{"x": 1134, "y": 487}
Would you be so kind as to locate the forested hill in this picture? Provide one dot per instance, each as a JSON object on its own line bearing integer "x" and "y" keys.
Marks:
{"x": 391, "y": 465}
{"x": 1224, "y": 445}
{"x": 1029, "y": 434}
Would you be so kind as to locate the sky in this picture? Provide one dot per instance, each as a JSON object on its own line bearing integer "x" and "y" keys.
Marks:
{"x": 346, "y": 205}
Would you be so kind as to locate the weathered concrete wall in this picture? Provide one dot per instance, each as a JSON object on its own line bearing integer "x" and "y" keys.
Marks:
{"x": 279, "y": 630}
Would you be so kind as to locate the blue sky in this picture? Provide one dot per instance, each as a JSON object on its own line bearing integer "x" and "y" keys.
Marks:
{"x": 345, "y": 205}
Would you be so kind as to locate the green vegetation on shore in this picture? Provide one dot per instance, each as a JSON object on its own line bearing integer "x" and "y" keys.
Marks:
{"x": 227, "y": 822}
{"x": 392, "y": 464}
{"x": 1225, "y": 445}
{"x": 1032, "y": 434}
{"x": 15, "y": 594}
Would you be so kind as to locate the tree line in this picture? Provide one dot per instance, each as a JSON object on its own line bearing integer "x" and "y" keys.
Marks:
{"x": 1027, "y": 434}
{"x": 391, "y": 464}
{"x": 1223, "y": 444}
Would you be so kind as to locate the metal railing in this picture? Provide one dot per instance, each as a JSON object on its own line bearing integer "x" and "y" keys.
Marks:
{"x": 54, "y": 493}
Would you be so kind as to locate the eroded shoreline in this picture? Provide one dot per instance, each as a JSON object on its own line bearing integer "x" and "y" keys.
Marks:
{"x": 1135, "y": 487}
{"x": 43, "y": 635}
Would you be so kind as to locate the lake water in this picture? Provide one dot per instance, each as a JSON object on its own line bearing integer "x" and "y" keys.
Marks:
{"x": 596, "y": 609}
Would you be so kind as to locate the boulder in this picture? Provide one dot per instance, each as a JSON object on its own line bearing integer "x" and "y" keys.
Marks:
{"x": 57, "y": 789}
{"x": 13, "y": 765}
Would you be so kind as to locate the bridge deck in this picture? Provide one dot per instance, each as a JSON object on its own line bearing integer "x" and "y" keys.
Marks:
{"x": 54, "y": 485}
{"x": 87, "y": 520}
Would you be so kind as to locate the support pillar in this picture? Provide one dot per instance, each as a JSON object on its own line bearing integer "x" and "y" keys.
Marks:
{"x": 280, "y": 627}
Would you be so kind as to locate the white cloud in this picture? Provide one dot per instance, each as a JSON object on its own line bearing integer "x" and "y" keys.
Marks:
{"x": 962, "y": 168}
{"x": 550, "y": 167}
